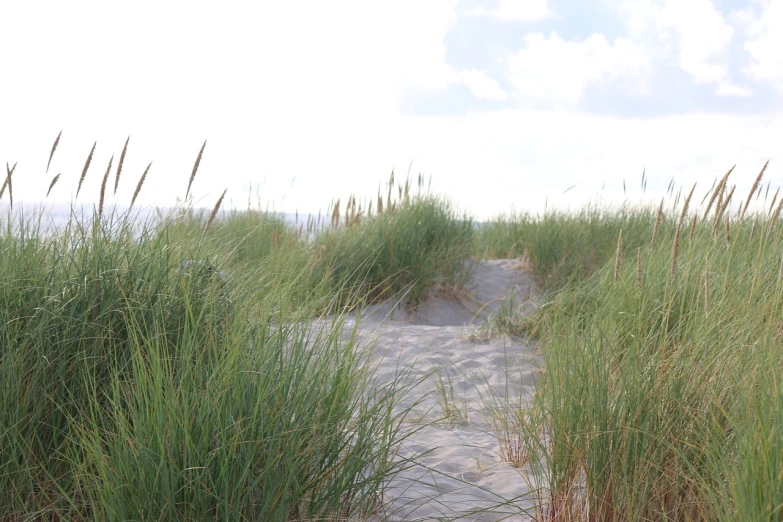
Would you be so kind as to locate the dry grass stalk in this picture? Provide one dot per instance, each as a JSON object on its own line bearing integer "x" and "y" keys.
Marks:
{"x": 707, "y": 194}
{"x": 774, "y": 198}
{"x": 103, "y": 187}
{"x": 213, "y": 214}
{"x": 139, "y": 185}
{"x": 727, "y": 201}
{"x": 686, "y": 204}
{"x": 675, "y": 251}
{"x": 780, "y": 269}
{"x": 7, "y": 183}
{"x": 720, "y": 209}
{"x": 728, "y": 232}
{"x": 336, "y": 214}
{"x": 753, "y": 188}
{"x": 693, "y": 228}
{"x": 639, "y": 267}
{"x": 753, "y": 228}
{"x": 51, "y": 185}
{"x": 773, "y": 219}
{"x": 707, "y": 286}
{"x": 388, "y": 195}
{"x": 86, "y": 166}
{"x": 618, "y": 257}
{"x": 719, "y": 205}
{"x": 718, "y": 190}
{"x": 54, "y": 148}
{"x": 195, "y": 168}
{"x": 657, "y": 227}
{"x": 119, "y": 165}
{"x": 8, "y": 178}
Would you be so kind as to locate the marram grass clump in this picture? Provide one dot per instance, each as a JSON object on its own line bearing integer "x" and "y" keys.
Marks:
{"x": 135, "y": 386}
{"x": 661, "y": 397}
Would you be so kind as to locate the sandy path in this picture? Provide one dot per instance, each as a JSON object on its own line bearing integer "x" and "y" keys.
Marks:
{"x": 459, "y": 473}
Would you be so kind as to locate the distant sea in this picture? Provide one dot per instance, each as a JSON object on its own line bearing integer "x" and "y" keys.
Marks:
{"x": 53, "y": 216}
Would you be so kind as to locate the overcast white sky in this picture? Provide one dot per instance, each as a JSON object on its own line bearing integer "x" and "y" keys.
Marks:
{"x": 504, "y": 102}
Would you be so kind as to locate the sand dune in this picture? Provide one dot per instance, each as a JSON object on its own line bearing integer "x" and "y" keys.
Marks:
{"x": 459, "y": 472}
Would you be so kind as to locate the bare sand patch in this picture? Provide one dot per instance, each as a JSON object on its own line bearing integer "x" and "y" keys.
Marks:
{"x": 459, "y": 473}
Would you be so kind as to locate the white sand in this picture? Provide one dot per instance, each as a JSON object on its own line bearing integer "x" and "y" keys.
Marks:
{"x": 459, "y": 473}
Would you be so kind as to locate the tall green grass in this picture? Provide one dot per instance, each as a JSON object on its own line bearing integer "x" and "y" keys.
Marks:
{"x": 422, "y": 242}
{"x": 661, "y": 399}
{"x": 134, "y": 389}
{"x": 561, "y": 246}
{"x": 408, "y": 243}
{"x": 170, "y": 369}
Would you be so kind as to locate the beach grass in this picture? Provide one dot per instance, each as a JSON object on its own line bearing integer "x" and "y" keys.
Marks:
{"x": 200, "y": 365}
{"x": 661, "y": 331}
{"x": 184, "y": 368}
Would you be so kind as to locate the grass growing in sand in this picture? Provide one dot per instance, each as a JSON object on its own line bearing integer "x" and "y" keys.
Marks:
{"x": 133, "y": 386}
{"x": 662, "y": 395}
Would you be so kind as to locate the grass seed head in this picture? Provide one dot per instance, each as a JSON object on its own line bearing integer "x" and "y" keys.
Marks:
{"x": 139, "y": 185}
{"x": 119, "y": 165}
{"x": 774, "y": 217}
{"x": 195, "y": 168}
{"x": 103, "y": 187}
{"x": 213, "y": 214}
{"x": 51, "y": 185}
{"x": 754, "y": 187}
{"x": 728, "y": 232}
{"x": 718, "y": 191}
{"x": 774, "y": 198}
{"x": 686, "y": 204}
{"x": 54, "y": 148}
{"x": 657, "y": 227}
{"x": 84, "y": 170}
{"x": 336, "y": 215}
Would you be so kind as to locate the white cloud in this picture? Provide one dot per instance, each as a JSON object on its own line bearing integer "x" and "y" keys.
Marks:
{"x": 703, "y": 37}
{"x": 693, "y": 29}
{"x": 515, "y": 11}
{"x": 481, "y": 85}
{"x": 729, "y": 89}
{"x": 765, "y": 42}
{"x": 554, "y": 68}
